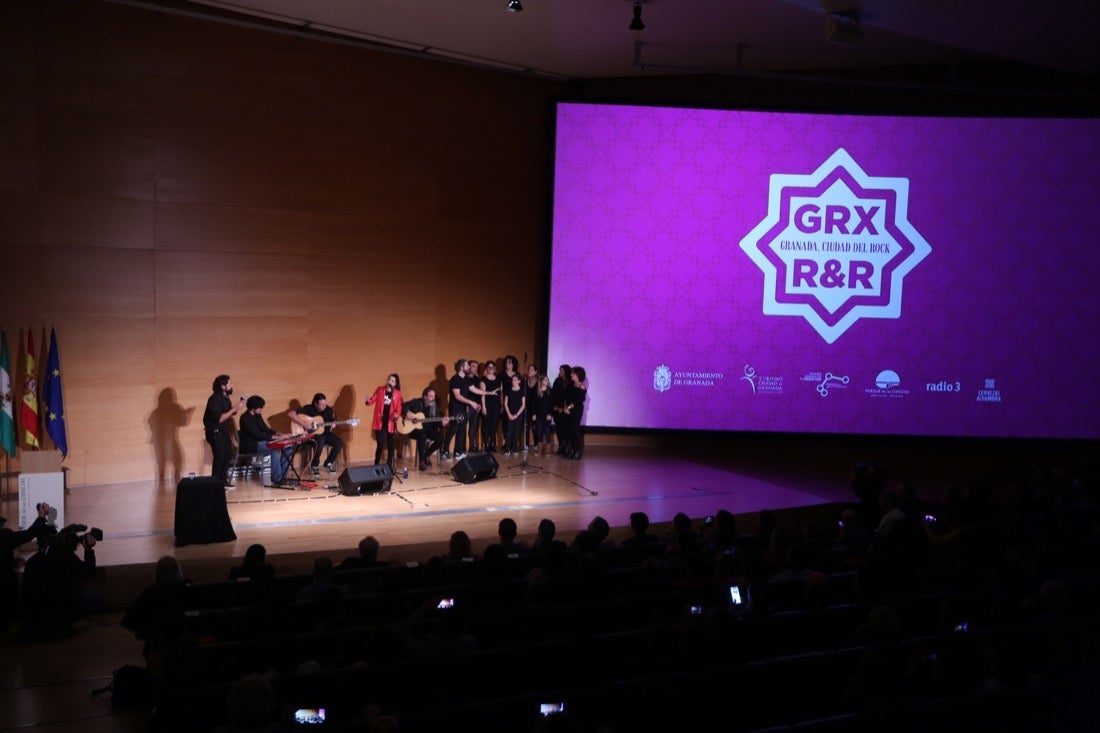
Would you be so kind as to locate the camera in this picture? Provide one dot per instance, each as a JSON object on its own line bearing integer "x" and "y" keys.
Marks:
{"x": 94, "y": 532}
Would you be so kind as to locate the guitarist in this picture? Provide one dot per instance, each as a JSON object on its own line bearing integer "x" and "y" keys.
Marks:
{"x": 428, "y": 438}
{"x": 307, "y": 417}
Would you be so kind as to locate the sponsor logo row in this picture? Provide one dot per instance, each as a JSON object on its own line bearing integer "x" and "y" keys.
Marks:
{"x": 887, "y": 384}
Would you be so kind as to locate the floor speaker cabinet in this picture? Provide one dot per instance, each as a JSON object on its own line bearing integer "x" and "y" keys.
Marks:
{"x": 359, "y": 480}
{"x": 475, "y": 468}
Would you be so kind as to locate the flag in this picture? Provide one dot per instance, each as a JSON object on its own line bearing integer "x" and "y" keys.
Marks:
{"x": 51, "y": 396}
{"x": 28, "y": 414}
{"x": 7, "y": 414}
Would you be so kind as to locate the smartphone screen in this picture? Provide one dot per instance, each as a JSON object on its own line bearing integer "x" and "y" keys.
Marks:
{"x": 735, "y": 595}
{"x": 547, "y": 708}
{"x": 309, "y": 716}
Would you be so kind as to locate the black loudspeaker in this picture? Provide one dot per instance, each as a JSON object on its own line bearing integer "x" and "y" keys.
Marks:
{"x": 359, "y": 480}
{"x": 475, "y": 468}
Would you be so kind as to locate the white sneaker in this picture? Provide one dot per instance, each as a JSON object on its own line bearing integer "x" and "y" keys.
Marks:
{"x": 459, "y": 456}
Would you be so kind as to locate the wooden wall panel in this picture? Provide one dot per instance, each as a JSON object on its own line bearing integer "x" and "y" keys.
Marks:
{"x": 302, "y": 216}
{"x": 18, "y": 146}
{"x": 20, "y": 220}
{"x": 270, "y": 233}
{"x": 96, "y": 221}
{"x": 218, "y": 285}
{"x": 87, "y": 163}
{"x": 99, "y": 281}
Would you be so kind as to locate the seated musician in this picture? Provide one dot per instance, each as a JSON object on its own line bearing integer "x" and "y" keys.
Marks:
{"x": 256, "y": 434}
{"x": 310, "y": 418}
{"x": 428, "y": 436}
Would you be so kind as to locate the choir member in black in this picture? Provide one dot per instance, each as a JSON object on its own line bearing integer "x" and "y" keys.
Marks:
{"x": 256, "y": 434}
{"x": 428, "y": 436}
{"x": 307, "y": 417}
{"x": 217, "y": 422}
{"x": 515, "y": 415}
{"x": 541, "y": 407}
{"x": 462, "y": 406}
{"x": 531, "y": 388}
{"x": 473, "y": 380}
{"x": 490, "y": 407}
{"x": 574, "y": 412}
{"x": 561, "y": 386}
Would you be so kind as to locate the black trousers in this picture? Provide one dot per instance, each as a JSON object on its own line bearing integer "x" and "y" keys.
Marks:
{"x": 489, "y": 424}
{"x": 428, "y": 441}
{"x": 335, "y": 445}
{"x": 222, "y": 449}
{"x": 388, "y": 437}
{"x": 458, "y": 426}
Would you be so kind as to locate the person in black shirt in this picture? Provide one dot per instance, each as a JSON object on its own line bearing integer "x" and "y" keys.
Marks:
{"x": 530, "y": 388}
{"x": 9, "y": 580}
{"x": 515, "y": 415}
{"x": 217, "y": 422}
{"x": 490, "y": 405}
{"x": 310, "y": 417}
{"x": 561, "y": 386}
{"x": 428, "y": 436}
{"x": 574, "y": 412}
{"x": 256, "y": 434}
{"x": 462, "y": 406}
{"x": 541, "y": 406}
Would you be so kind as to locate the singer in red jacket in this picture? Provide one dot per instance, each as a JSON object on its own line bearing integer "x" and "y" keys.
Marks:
{"x": 387, "y": 408}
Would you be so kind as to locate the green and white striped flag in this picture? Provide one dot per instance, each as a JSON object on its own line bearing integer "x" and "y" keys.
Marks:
{"x": 7, "y": 416}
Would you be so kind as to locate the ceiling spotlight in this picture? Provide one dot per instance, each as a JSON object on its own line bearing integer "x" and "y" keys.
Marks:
{"x": 637, "y": 24}
{"x": 515, "y": 6}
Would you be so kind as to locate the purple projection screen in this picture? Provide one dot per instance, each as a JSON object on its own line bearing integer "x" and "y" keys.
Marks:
{"x": 764, "y": 271}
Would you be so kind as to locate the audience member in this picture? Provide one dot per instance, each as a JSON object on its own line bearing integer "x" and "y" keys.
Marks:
{"x": 324, "y": 581}
{"x": 369, "y": 548}
{"x": 640, "y": 534}
{"x": 254, "y": 567}
{"x": 506, "y": 534}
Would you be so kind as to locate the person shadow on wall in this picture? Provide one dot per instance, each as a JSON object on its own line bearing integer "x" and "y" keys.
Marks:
{"x": 165, "y": 423}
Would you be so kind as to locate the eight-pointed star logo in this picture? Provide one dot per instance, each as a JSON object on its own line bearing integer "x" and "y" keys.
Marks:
{"x": 835, "y": 245}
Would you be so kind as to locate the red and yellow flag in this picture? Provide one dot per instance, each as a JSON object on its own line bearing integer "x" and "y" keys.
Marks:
{"x": 28, "y": 413}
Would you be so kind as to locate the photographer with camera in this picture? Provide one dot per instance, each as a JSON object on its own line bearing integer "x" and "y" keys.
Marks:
{"x": 9, "y": 579}
{"x": 55, "y": 593}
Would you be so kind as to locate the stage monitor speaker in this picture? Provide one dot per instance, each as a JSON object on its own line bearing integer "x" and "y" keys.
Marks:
{"x": 475, "y": 468}
{"x": 359, "y": 480}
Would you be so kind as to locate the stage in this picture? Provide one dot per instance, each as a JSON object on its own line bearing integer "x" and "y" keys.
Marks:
{"x": 418, "y": 513}
{"x": 414, "y": 519}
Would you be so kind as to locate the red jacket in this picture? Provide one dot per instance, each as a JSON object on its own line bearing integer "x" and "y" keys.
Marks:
{"x": 378, "y": 399}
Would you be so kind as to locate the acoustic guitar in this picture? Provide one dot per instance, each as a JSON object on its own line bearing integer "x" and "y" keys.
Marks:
{"x": 319, "y": 425}
{"x": 408, "y": 423}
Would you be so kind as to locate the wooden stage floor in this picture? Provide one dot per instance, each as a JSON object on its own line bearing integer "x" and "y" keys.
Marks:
{"x": 416, "y": 517}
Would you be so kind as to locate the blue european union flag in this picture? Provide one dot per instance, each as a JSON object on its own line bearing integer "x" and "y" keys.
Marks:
{"x": 51, "y": 396}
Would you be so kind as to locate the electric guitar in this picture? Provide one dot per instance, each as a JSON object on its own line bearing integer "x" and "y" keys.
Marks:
{"x": 414, "y": 420}
{"x": 319, "y": 425}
